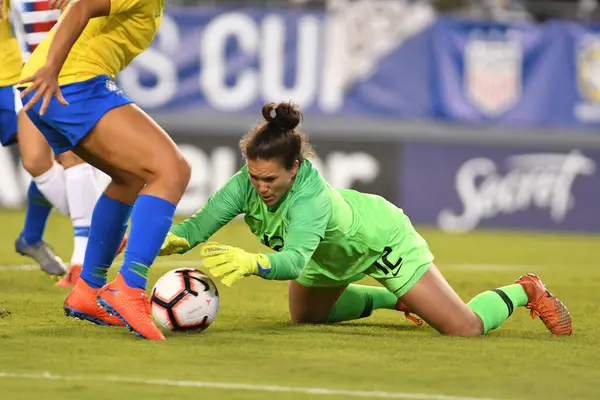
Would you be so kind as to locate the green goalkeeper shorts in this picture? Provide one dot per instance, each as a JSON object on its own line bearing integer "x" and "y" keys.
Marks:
{"x": 403, "y": 262}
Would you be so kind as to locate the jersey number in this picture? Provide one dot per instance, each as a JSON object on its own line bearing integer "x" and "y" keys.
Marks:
{"x": 271, "y": 242}
{"x": 388, "y": 267}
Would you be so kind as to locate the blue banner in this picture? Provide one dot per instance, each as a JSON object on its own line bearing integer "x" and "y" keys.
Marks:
{"x": 461, "y": 188}
{"x": 235, "y": 60}
{"x": 520, "y": 75}
{"x": 230, "y": 60}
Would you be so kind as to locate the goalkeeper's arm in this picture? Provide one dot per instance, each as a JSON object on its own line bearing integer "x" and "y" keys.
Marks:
{"x": 289, "y": 263}
{"x": 227, "y": 203}
{"x": 309, "y": 217}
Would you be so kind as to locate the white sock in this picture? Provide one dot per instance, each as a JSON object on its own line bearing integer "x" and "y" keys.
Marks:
{"x": 52, "y": 185}
{"x": 82, "y": 193}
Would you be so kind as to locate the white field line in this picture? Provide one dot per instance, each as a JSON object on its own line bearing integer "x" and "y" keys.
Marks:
{"x": 236, "y": 386}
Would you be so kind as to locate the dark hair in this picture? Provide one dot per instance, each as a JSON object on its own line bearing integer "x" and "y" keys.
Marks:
{"x": 277, "y": 138}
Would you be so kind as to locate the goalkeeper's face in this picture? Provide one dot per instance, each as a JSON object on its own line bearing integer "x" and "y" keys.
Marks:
{"x": 271, "y": 179}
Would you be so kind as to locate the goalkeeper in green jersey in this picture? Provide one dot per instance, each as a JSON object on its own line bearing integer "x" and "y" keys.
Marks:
{"x": 325, "y": 239}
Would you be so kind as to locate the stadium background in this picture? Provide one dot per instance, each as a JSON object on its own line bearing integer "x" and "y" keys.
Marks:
{"x": 464, "y": 122}
{"x": 479, "y": 118}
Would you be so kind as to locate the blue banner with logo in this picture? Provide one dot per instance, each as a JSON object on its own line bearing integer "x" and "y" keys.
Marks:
{"x": 461, "y": 188}
{"x": 235, "y": 60}
{"x": 521, "y": 75}
{"x": 231, "y": 61}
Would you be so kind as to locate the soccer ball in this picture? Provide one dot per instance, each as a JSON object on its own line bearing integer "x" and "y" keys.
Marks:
{"x": 184, "y": 299}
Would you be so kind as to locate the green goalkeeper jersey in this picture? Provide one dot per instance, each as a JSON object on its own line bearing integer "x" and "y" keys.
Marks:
{"x": 340, "y": 230}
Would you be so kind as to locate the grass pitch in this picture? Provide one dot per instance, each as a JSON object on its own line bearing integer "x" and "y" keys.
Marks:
{"x": 252, "y": 347}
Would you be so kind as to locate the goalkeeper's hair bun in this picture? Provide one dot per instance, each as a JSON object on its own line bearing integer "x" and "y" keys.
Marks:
{"x": 278, "y": 137}
{"x": 285, "y": 115}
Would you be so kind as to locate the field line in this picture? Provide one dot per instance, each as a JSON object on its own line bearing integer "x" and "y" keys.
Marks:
{"x": 236, "y": 386}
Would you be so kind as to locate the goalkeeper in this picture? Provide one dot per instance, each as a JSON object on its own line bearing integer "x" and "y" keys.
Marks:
{"x": 325, "y": 239}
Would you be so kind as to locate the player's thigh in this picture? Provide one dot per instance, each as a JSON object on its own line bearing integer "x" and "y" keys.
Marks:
{"x": 312, "y": 304}
{"x": 104, "y": 122}
{"x": 35, "y": 151}
{"x": 403, "y": 260}
{"x": 124, "y": 186}
{"x": 68, "y": 159}
{"x": 434, "y": 300}
{"x": 314, "y": 293}
{"x": 406, "y": 269}
{"x": 128, "y": 139}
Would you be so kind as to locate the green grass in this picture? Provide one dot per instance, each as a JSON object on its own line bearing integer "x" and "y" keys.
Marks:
{"x": 252, "y": 342}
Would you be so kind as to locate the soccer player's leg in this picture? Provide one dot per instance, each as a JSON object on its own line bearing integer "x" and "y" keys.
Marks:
{"x": 407, "y": 270}
{"x": 107, "y": 227}
{"x": 38, "y": 160}
{"x": 434, "y": 300}
{"x": 312, "y": 305}
{"x": 30, "y": 242}
{"x": 82, "y": 193}
{"x": 82, "y": 301}
{"x": 543, "y": 304}
{"x": 103, "y": 128}
{"x": 47, "y": 184}
{"x": 316, "y": 298}
{"x": 166, "y": 173}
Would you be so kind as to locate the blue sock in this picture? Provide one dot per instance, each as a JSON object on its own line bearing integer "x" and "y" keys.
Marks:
{"x": 109, "y": 223}
{"x": 38, "y": 210}
{"x": 150, "y": 222}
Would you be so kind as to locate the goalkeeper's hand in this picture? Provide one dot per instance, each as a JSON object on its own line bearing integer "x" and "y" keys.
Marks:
{"x": 174, "y": 244}
{"x": 232, "y": 262}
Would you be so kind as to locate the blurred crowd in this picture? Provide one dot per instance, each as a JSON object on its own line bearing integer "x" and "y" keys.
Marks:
{"x": 498, "y": 10}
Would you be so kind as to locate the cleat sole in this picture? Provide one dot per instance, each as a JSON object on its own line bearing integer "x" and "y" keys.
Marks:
{"x": 102, "y": 303}
{"x": 76, "y": 314}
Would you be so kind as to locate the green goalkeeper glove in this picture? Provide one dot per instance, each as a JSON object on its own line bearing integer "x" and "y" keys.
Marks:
{"x": 174, "y": 244}
{"x": 232, "y": 262}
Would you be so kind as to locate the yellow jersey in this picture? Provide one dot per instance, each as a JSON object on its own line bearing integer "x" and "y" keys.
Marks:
{"x": 10, "y": 52}
{"x": 107, "y": 44}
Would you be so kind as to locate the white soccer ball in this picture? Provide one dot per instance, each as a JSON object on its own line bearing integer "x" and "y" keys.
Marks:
{"x": 184, "y": 299}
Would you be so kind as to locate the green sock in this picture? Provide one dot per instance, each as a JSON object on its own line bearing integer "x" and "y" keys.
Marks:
{"x": 495, "y": 306}
{"x": 359, "y": 301}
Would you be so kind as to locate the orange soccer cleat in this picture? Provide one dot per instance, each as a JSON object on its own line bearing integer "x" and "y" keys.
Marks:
{"x": 69, "y": 279}
{"x": 551, "y": 311}
{"x": 82, "y": 304}
{"x": 132, "y": 306}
